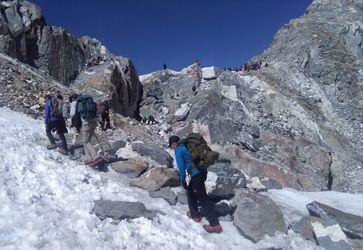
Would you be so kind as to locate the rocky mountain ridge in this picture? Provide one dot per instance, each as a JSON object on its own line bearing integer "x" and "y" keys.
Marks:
{"x": 73, "y": 62}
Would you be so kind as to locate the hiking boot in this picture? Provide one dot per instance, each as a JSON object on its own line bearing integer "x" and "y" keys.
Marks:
{"x": 63, "y": 151}
{"x": 213, "y": 229}
{"x": 196, "y": 219}
{"x": 92, "y": 163}
{"x": 52, "y": 146}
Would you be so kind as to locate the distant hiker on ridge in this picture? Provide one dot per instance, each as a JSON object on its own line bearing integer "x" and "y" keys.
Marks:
{"x": 165, "y": 67}
{"x": 195, "y": 190}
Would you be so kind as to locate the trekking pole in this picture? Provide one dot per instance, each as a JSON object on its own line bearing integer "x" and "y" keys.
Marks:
{"x": 99, "y": 143}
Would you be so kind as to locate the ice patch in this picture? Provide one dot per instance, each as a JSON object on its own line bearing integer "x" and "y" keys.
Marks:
{"x": 211, "y": 182}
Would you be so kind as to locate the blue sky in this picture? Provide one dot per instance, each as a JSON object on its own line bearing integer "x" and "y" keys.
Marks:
{"x": 223, "y": 33}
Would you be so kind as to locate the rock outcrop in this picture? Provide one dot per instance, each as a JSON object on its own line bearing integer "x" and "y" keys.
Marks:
{"x": 25, "y": 36}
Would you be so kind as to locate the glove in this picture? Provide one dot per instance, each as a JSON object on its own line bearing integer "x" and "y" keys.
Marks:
{"x": 185, "y": 186}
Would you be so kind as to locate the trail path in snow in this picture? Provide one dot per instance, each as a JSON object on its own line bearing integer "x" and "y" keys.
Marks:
{"x": 47, "y": 200}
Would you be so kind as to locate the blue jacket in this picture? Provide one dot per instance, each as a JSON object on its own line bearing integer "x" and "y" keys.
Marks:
{"x": 184, "y": 160}
{"x": 47, "y": 116}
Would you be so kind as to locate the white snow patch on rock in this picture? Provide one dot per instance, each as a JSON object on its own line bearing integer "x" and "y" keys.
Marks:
{"x": 211, "y": 182}
{"x": 209, "y": 73}
{"x": 230, "y": 92}
{"x": 182, "y": 112}
{"x": 334, "y": 232}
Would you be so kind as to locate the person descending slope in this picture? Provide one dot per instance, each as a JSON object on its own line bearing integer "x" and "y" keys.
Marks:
{"x": 196, "y": 189}
{"x": 53, "y": 117}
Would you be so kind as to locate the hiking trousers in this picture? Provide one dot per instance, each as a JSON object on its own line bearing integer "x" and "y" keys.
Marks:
{"x": 197, "y": 195}
{"x": 105, "y": 122}
{"x": 58, "y": 126}
{"x": 87, "y": 132}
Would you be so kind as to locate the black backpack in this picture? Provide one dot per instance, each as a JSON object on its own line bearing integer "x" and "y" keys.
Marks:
{"x": 86, "y": 107}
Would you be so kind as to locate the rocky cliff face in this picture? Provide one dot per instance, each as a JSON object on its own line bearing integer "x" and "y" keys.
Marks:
{"x": 58, "y": 54}
{"x": 299, "y": 119}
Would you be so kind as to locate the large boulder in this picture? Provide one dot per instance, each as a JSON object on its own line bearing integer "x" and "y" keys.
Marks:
{"x": 120, "y": 210}
{"x": 257, "y": 216}
{"x": 156, "y": 178}
{"x": 130, "y": 168}
{"x": 227, "y": 180}
{"x": 351, "y": 224}
{"x": 153, "y": 151}
{"x": 110, "y": 80}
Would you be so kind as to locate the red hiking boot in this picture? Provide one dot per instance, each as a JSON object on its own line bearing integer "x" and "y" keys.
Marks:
{"x": 93, "y": 163}
{"x": 196, "y": 219}
{"x": 213, "y": 229}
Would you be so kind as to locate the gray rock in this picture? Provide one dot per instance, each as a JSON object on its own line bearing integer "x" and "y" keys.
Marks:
{"x": 351, "y": 224}
{"x": 330, "y": 237}
{"x": 116, "y": 145}
{"x": 257, "y": 216}
{"x": 120, "y": 210}
{"x": 304, "y": 227}
{"x": 130, "y": 168}
{"x": 109, "y": 80}
{"x": 254, "y": 131}
{"x": 165, "y": 193}
{"x": 229, "y": 179}
{"x": 182, "y": 113}
{"x": 327, "y": 243}
{"x": 254, "y": 184}
{"x": 182, "y": 197}
{"x": 154, "y": 152}
{"x": 248, "y": 141}
{"x": 156, "y": 178}
{"x": 271, "y": 183}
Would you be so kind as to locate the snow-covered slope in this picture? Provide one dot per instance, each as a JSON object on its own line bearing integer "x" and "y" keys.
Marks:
{"x": 47, "y": 200}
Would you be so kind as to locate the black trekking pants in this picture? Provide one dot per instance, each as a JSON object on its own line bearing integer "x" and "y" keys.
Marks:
{"x": 105, "y": 123}
{"x": 198, "y": 195}
{"x": 59, "y": 127}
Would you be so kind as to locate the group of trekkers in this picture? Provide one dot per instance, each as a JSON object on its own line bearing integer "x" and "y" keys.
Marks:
{"x": 247, "y": 67}
{"x": 81, "y": 112}
{"x": 192, "y": 154}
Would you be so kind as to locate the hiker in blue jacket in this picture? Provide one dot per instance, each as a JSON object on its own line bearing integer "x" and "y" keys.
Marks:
{"x": 196, "y": 189}
{"x": 54, "y": 121}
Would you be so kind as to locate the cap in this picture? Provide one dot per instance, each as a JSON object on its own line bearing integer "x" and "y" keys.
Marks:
{"x": 173, "y": 139}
